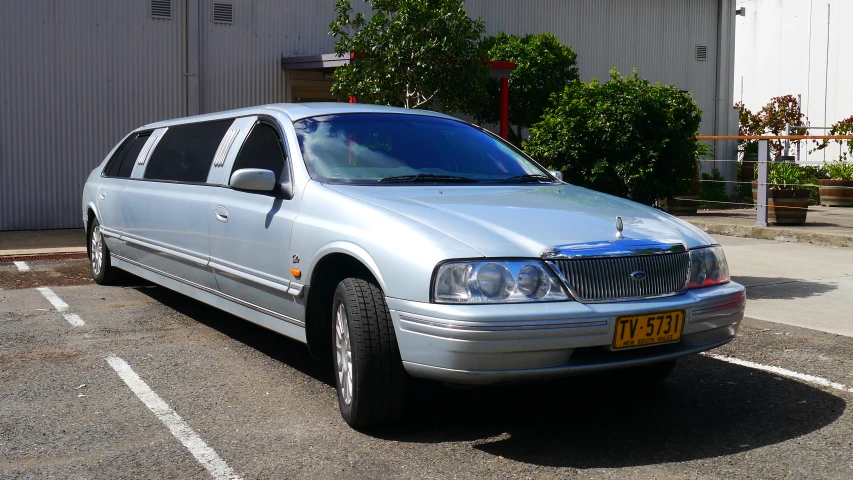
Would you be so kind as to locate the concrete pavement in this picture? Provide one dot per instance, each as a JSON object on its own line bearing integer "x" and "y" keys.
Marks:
{"x": 831, "y": 226}
{"x": 797, "y": 284}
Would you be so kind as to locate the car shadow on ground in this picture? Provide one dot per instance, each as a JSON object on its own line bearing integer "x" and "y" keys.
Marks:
{"x": 707, "y": 408}
{"x": 272, "y": 344}
{"x": 778, "y": 288}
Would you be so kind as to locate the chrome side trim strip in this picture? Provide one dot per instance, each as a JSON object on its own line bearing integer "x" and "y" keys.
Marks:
{"x": 109, "y": 232}
{"x": 166, "y": 249}
{"x": 271, "y": 281}
{"x": 503, "y": 328}
{"x": 234, "y": 271}
{"x": 214, "y": 292}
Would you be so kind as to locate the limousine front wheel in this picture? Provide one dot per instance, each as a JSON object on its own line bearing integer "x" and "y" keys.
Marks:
{"x": 99, "y": 256}
{"x": 369, "y": 373}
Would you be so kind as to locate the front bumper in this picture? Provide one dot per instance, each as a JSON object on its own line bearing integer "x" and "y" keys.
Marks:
{"x": 483, "y": 344}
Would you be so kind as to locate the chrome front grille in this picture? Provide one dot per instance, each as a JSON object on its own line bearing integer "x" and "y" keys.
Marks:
{"x": 610, "y": 278}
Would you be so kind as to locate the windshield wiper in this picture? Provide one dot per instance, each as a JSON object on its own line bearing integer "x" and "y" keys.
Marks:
{"x": 528, "y": 178}
{"x": 427, "y": 178}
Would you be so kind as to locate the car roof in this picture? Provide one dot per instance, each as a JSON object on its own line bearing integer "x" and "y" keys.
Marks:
{"x": 297, "y": 111}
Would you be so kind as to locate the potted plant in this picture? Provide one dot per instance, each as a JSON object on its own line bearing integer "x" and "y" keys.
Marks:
{"x": 787, "y": 195}
{"x": 837, "y": 190}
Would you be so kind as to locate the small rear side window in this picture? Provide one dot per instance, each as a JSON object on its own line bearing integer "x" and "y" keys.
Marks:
{"x": 121, "y": 164}
{"x": 185, "y": 152}
{"x": 132, "y": 153}
{"x": 115, "y": 161}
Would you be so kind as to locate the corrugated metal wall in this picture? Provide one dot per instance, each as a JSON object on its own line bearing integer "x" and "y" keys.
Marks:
{"x": 657, "y": 37}
{"x": 76, "y": 76}
{"x": 79, "y": 74}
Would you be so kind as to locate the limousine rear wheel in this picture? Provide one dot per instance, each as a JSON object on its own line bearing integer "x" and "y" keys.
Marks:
{"x": 99, "y": 256}
{"x": 369, "y": 373}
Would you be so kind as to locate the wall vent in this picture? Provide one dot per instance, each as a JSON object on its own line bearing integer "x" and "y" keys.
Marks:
{"x": 701, "y": 52}
{"x": 161, "y": 9}
{"x": 223, "y": 12}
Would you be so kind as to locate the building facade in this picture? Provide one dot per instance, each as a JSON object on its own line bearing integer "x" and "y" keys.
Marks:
{"x": 77, "y": 75}
{"x": 797, "y": 47}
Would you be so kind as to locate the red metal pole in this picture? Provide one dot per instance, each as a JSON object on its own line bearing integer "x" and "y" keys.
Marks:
{"x": 505, "y": 108}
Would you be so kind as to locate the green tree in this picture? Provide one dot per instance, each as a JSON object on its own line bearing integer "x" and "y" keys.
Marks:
{"x": 544, "y": 66}
{"x": 410, "y": 53}
{"x": 625, "y": 137}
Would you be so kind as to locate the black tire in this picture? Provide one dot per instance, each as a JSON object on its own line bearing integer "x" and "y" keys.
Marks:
{"x": 99, "y": 257}
{"x": 377, "y": 391}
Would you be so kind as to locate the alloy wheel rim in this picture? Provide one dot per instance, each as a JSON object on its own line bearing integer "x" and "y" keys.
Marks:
{"x": 97, "y": 252}
{"x": 343, "y": 354}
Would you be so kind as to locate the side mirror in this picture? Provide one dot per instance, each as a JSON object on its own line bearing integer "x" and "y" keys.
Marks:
{"x": 254, "y": 179}
{"x": 557, "y": 174}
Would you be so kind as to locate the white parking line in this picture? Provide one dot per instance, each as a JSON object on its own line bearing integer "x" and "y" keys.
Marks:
{"x": 782, "y": 372}
{"x": 205, "y": 455}
{"x": 73, "y": 319}
{"x": 22, "y": 266}
{"x": 61, "y": 307}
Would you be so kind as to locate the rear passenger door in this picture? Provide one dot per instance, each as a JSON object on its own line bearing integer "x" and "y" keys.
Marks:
{"x": 167, "y": 209}
{"x": 250, "y": 231}
{"x": 115, "y": 176}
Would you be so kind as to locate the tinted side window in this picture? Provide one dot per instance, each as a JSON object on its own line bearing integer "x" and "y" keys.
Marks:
{"x": 262, "y": 149}
{"x": 115, "y": 161}
{"x": 130, "y": 156}
{"x": 185, "y": 152}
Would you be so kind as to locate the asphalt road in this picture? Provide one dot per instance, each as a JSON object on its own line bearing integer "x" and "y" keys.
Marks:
{"x": 269, "y": 411}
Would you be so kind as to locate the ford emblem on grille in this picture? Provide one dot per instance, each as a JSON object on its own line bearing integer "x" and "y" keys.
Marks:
{"x": 638, "y": 275}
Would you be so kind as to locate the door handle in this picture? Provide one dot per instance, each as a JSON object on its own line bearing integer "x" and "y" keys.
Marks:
{"x": 221, "y": 213}
{"x": 102, "y": 195}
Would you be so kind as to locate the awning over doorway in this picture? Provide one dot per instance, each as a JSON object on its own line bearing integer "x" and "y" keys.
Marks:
{"x": 328, "y": 61}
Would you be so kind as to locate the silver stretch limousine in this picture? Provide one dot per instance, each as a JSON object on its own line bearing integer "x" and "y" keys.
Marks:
{"x": 405, "y": 243}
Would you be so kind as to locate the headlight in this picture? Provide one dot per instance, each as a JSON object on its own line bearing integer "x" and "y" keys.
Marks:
{"x": 707, "y": 267}
{"x": 496, "y": 282}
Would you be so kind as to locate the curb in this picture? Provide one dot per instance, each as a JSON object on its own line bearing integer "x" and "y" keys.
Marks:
{"x": 42, "y": 251}
{"x": 774, "y": 233}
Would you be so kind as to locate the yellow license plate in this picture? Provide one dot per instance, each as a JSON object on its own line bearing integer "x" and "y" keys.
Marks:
{"x": 651, "y": 329}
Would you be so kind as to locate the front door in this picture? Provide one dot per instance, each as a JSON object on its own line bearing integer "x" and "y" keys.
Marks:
{"x": 250, "y": 231}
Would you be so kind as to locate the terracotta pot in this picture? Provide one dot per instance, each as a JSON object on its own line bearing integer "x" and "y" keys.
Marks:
{"x": 836, "y": 193}
{"x": 785, "y": 207}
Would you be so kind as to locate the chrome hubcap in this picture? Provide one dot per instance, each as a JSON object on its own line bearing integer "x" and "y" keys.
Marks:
{"x": 97, "y": 253}
{"x": 343, "y": 354}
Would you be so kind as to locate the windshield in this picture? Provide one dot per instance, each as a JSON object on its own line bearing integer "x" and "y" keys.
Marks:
{"x": 388, "y": 148}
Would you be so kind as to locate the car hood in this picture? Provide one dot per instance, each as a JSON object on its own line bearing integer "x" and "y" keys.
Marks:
{"x": 524, "y": 220}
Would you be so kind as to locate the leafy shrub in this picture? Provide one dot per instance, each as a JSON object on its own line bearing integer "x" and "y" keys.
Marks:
{"x": 409, "y": 53}
{"x": 626, "y": 137}
{"x": 543, "y": 67}
{"x": 841, "y": 127}
{"x": 786, "y": 176}
{"x": 840, "y": 170}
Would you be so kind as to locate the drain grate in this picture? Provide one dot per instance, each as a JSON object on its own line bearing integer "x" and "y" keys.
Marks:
{"x": 47, "y": 256}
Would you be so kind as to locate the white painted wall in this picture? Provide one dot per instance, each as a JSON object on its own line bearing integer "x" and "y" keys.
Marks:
{"x": 781, "y": 48}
